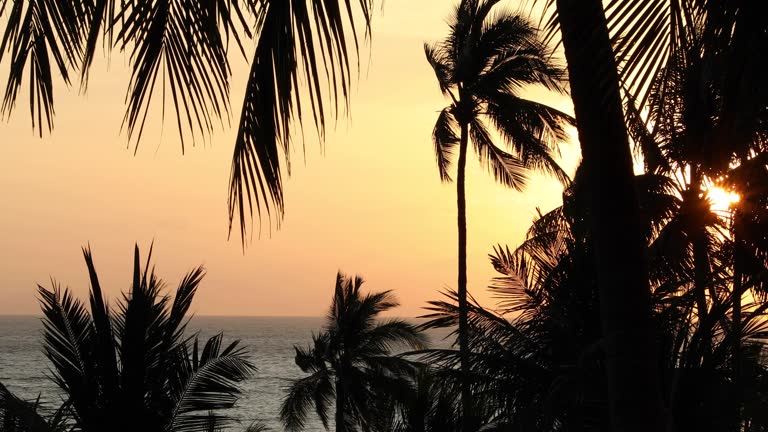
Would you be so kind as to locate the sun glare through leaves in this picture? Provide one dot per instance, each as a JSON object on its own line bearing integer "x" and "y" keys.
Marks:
{"x": 721, "y": 199}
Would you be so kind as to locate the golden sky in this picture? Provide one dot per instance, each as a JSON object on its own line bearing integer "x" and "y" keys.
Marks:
{"x": 372, "y": 204}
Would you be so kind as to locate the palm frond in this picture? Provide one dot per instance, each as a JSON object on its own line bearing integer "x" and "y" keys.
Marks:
{"x": 507, "y": 169}
{"x": 67, "y": 336}
{"x": 41, "y": 37}
{"x": 394, "y": 334}
{"x": 303, "y": 393}
{"x": 103, "y": 341}
{"x": 208, "y": 383}
{"x": 181, "y": 43}
{"x": 533, "y": 131}
{"x": 643, "y": 34}
{"x": 298, "y": 40}
{"x": 445, "y": 139}
{"x": 18, "y": 415}
{"x": 441, "y": 65}
{"x": 511, "y": 55}
{"x": 182, "y": 301}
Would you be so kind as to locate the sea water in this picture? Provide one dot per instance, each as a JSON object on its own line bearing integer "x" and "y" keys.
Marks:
{"x": 25, "y": 371}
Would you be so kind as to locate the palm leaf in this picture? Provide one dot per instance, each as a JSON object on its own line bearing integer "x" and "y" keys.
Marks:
{"x": 303, "y": 393}
{"x": 41, "y": 36}
{"x": 203, "y": 386}
{"x": 298, "y": 38}
{"x": 445, "y": 139}
{"x": 181, "y": 42}
{"x": 507, "y": 169}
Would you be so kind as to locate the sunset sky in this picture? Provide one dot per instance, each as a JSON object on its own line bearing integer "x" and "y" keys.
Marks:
{"x": 371, "y": 204}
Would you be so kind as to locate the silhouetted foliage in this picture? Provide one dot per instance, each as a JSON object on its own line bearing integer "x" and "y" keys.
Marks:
{"x": 350, "y": 363}
{"x": 482, "y": 66}
{"x": 133, "y": 368}
{"x": 180, "y": 49}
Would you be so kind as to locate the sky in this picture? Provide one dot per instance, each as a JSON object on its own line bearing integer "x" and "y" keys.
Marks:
{"x": 370, "y": 202}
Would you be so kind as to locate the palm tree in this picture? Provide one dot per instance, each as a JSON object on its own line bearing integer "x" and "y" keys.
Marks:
{"x": 482, "y": 65}
{"x": 350, "y": 362}
{"x": 646, "y": 36}
{"x": 429, "y": 404}
{"x": 614, "y": 210}
{"x": 706, "y": 124}
{"x": 134, "y": 368}
{"x": 180, "y": 49}
{"x": 536, "y": 360}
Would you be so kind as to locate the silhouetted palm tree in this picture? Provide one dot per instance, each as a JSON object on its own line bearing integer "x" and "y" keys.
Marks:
{"x": 537, "y": 362}
{"x": 707, "y": 127}
{"x": 350, "y": 362}
{"x": 180, "y": 48}
{"x": 482, "y": 66}
{"x": 431, "y": 403}
{"x": 135, "y": 369}
{"x": 614, "y": 210}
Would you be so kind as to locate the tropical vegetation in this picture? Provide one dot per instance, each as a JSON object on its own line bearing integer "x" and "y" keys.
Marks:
{"x": 635, "y": 305}
{"x": 132, "y": 366}
{"x": 482, "y": 65}
{"x": 181, "y": 49}
{"x": 350, "y": 363}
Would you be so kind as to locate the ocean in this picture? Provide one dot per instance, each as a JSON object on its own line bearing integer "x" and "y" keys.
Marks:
{"x": 24, "y": 370}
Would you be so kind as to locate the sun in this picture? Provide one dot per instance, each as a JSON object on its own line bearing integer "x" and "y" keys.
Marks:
{"x": 721, "y": 199}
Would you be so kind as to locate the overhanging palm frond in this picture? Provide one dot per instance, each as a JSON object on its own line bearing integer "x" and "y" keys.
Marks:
{"x": 645, "y": 35}
{"x": 41, "y": 36}
{"x": 298, "y": 40}
{"x": 181, "y": 42}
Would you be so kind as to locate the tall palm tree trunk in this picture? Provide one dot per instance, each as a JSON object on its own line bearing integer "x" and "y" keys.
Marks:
{"x": 466, "y": 392}
{"x": 701, "y": 283}
{"x": 738, "y": 259}
{"x": 625, "y": 304}
{"x": 339, "y": 418}
{"x": 701, "y": 275}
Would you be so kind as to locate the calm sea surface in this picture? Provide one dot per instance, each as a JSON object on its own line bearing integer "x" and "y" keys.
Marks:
{"x": 270, "y": 340}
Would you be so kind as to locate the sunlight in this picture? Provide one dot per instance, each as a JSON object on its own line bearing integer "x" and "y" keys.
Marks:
{"x": 721, "y": 199}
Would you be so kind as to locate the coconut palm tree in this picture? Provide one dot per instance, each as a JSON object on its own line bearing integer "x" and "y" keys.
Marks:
{"x": 536, "y": 360}
{"x": 350, "y": 363}
{"x": 482, "y": 66}
{"x": 132, "y": 367}
{"x": 180, "y": 49}
{"x": 622, "y": 271}
{"x": 641, "y": 38}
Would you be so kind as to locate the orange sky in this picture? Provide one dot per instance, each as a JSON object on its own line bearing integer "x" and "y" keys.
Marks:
{"x": 373, "y": 204}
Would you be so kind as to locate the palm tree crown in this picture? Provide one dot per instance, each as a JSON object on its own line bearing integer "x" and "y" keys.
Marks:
{"x": 134, "y": 368}
{"x": 350, "y": 361}
{"x": 482, "y": 66}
